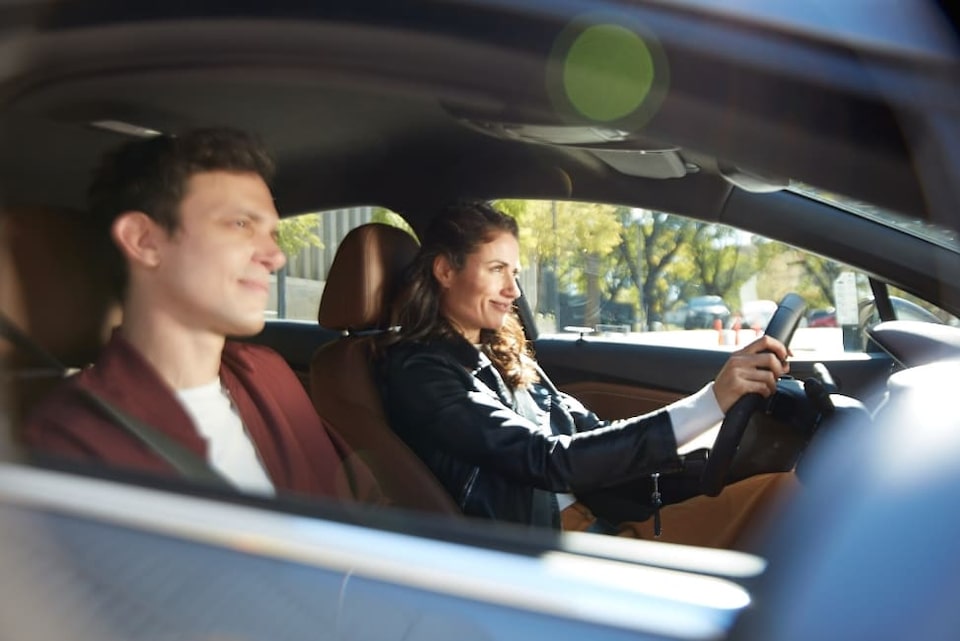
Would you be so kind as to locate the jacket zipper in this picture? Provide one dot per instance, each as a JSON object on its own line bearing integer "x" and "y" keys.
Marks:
{"x": 468, "y": 487}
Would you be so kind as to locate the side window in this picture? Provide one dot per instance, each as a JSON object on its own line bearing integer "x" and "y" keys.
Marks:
{"x": 657, "y": 278}
{"x": 905, "y": 307}
{"x": 310, "y": 242}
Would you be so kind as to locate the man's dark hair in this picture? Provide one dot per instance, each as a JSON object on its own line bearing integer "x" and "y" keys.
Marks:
{"x": 151, "y": 176}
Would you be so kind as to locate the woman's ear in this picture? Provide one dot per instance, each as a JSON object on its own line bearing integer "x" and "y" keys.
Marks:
{"x": 443, "y": 271}
{"x": 137, "y": 235}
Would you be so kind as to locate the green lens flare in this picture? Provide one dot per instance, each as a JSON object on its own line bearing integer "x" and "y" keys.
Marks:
{"x": 608, "y": 72}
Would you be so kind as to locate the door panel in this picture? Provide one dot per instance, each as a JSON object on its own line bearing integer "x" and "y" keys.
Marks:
{"x": 613, "y": 400}
{"x": 617, "y": 379}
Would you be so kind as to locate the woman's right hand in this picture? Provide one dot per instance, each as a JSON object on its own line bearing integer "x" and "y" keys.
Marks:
{"x": 753, "y": 369}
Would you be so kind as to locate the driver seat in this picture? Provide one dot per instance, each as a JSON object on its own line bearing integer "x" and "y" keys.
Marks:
{"x": 365, "y": 272}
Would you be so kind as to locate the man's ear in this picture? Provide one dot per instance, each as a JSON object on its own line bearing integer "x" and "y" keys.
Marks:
{"x": 137, "y": 235}
{"x": 443, "y": 271}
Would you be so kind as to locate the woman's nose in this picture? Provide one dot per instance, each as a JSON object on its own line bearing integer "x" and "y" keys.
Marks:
{"x": 511, "y": 288}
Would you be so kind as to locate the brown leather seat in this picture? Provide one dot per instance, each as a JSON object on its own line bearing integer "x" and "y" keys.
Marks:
{"x": 56, "y": 292}
{"x": 361, "y": 280}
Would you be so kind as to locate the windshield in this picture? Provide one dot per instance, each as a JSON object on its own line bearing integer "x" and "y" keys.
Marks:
{"x": 942, "y": 236}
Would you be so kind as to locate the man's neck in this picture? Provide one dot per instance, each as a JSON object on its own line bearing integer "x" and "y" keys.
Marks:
{"x": 183, "y": 357}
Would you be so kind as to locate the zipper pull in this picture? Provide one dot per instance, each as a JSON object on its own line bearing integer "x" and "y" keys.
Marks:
{"x": 657, "y": 502}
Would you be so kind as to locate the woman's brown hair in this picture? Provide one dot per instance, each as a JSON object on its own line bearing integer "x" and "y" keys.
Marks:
{"x": 456, "y": 232}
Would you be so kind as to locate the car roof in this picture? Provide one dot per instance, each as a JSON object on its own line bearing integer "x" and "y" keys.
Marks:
{"x": 366, "y": 102}
{"x": 411, "y": 106}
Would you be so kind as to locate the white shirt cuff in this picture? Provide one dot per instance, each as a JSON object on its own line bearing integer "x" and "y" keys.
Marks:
{"x": 694, "y": 415}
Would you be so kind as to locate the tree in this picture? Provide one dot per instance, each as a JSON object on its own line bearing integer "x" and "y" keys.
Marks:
{"x": 565, "y": 239}
{"x": 387, "y": 217}
{"x": 785, "y": 269}
{"x": 722, "y": 262}
{"x": 296, "y": 233}
{"x": 663, "y": 239}
{"x": 644, "y": 269}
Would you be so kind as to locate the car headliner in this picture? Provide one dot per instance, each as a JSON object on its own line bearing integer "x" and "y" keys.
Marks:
{"x": 412, "y": 106}
{"x": 358, "y": 105}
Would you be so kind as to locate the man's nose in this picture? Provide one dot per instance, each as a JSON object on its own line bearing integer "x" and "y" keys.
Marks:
{"x": 271, "y": 255}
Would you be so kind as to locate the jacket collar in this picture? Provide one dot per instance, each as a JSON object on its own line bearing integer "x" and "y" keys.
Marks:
{"x": 478, "y": 364}
{"x": 463, "y": 352}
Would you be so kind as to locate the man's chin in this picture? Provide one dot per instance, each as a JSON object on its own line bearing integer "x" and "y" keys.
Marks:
{"x": 246, "y": 328}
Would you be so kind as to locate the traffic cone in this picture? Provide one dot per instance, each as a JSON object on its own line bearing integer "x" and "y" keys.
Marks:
{"x": 736, "y": 330}
{"x": 718, "y": 325}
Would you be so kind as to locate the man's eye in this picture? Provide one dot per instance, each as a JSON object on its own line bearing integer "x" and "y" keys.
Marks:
{"x": 242, "y": 223}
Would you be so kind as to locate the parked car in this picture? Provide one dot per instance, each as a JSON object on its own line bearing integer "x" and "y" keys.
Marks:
{"x": 704, "y": 311}
{"x": 829, "y": 128}
{"x": 756, "y": 314}
{"x": 822, "y": 318}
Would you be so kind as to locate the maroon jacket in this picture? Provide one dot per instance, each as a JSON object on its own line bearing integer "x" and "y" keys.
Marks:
{"x": 300, "y": 454}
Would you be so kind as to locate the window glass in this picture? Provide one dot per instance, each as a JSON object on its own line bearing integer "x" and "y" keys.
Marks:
{"x": 938, "y": 234}
{"x": 310, "y": 242}
{"x": 646, "y": 276}
{"x": 906, "y": 306}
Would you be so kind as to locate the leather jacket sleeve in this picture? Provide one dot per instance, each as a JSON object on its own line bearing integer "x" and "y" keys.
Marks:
{"x": 439, "y": 407}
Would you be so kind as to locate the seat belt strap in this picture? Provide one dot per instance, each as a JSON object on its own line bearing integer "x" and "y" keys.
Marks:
{"x": 183, "y": 460}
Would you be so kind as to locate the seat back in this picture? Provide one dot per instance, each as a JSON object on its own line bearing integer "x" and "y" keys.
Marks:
{"x": 57, "y": 293}
{"x": 364, "y": 274}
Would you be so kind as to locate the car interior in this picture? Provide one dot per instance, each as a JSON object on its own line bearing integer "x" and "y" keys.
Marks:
{"x": 353, "y": 116}
{"x": 827, "y": 127}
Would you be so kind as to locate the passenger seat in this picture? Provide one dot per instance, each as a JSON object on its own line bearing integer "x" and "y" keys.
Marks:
{"x": 365, "y": 272}
{"x": 56, "y": 292}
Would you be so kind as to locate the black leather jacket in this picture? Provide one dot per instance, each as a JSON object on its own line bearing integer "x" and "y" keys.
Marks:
{"x": 500, "y": 455}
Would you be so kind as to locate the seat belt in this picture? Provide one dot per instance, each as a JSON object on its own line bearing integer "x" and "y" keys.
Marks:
{"x": 186, "y": 462}
{"x": 20, "y": 340}
{"x": 183, "y": 460}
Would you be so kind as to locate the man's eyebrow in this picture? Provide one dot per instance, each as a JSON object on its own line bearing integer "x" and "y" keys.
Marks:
{"x": 257, "y": 216}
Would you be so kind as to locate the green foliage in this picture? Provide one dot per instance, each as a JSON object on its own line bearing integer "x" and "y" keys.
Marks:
{"x": 297, "y": 233}
{"x": 565, "y": 231}
{"x": 387, "y": 217}
{"x": 656, "y": 261}
{"x": 662, "y": 239}
{"x": 784, "y": 269}
{"x": 721, "y": 262}
{"x": 562, "y": 229}
{"x": 568, "y": 238}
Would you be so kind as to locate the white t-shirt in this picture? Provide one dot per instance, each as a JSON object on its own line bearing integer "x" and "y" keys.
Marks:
{"x": 229, "y": 448}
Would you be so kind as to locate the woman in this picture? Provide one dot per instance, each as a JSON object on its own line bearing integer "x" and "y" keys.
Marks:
{"x": 460, "y": 387}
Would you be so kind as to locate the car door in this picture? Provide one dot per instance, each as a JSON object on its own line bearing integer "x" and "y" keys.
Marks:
{"x": 92, "y": 558}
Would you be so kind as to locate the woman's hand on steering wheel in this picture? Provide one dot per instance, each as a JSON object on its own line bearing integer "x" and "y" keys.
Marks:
{"x": 753, "y": 369}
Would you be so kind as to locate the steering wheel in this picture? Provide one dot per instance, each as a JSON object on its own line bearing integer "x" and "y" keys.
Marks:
{"x": 782, "y": 325}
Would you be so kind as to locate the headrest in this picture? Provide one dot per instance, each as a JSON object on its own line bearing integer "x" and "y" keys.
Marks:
{"x": 68, "y": 307}
{"x": 365, "y": 273}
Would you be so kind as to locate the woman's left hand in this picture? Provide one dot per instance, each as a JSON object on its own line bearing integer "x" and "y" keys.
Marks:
{"x": 753, "y": 369}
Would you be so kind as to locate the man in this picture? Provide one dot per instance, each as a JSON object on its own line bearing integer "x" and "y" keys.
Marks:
{"x": 193, "y": 224}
